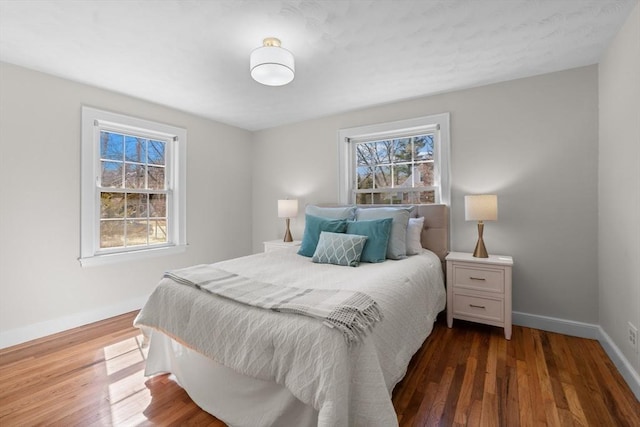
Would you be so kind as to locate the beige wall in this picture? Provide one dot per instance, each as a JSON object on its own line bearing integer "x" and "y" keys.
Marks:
{"x": 532, "y": 141}
{"x": 619, "y": 187}
{"x": 43, "y": 288}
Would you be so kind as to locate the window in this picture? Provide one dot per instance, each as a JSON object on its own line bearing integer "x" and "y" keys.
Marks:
{"x": 133, "y": 187}
{"x": 404, "y": 162}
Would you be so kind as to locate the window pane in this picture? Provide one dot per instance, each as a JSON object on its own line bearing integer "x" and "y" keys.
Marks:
{"x": 111, "y": 145}
{"x": 402, "y": 176}
{"x": 111, "y": 233}
{"x": 111, "y": 205}
{"x": 157, "y": 205}
{"x": 156, "y": 152}
{"x": 426, "y": 197}
{"x": 423, "y": 147}
{"x": 380, "y": 198}
{"x": 384, "y": 152}
{"x": 414, "y": 197}
{"x": 136, "y": 205}
{"x": 134, "y": 176}
{"x": 423, "y": 174}
{"x": 365, "y": 177}
{"x": 383, "y": 177}
{"x": 378, "y": 152}
{"x": 395, "y": 198}
{"x": 401, "y": 150}
{"x": 366, "y": 154}
{"x": 363, "y": 199}
{"x": 135, "y": 149}
{"x": 137, "y": 231}
{"x": 158, "y": 231}
{"x": 111, "y": 174}
{"x": 156, "y": 178}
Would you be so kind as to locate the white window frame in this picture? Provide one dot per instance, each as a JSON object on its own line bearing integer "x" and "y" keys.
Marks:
{"x": 437, "y": 124}
{"x": 93, "y": 121}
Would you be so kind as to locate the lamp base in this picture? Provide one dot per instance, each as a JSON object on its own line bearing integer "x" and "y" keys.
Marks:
{"x": 480, "y": 251}
{"x": 287, "y": 234}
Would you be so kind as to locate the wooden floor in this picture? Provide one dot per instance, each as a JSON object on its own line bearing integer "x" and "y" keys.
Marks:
{"x": 468, "y": 375}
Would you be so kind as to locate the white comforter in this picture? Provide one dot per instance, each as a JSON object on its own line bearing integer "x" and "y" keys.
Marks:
{"x": 349, "y": 386}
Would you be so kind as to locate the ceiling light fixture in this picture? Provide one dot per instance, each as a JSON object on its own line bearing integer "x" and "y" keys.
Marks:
{"x": 271, "y": 64}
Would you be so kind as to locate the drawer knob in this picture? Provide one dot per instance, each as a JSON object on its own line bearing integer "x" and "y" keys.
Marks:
{"x": 477, "y": 278}
{"x": 478, "y": 306}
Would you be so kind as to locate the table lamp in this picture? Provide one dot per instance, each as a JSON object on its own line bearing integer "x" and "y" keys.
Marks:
{"x": 287, "y": 209}
{"x": 481, "y": 207}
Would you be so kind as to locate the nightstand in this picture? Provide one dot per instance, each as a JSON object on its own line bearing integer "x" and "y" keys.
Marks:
{"x": 479, "y": 289}
{"x": 274, "y": 245}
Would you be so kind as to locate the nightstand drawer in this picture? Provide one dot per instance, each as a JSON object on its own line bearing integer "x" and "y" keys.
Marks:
{"x": 482, "y": 308}
{"x": 478, "y": 278}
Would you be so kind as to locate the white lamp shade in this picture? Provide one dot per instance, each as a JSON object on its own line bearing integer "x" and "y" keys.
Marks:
{"x": 482, "y": 207}
{"x": 272, "y": 66}
{"x": 287, "y": 208}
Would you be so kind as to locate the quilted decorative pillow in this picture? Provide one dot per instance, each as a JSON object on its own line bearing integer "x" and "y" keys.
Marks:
{"x": 377, "y": 232}
{"x": 397, "y": 248}
{"x": 339, "y": 249}
{"x": 313, "y": 226}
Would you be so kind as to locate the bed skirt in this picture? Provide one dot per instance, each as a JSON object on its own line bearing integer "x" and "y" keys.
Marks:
{"x": 236, "y": 399}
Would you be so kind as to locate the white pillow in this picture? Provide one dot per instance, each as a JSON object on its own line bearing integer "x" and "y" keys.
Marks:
{"x": 414, "y": 234}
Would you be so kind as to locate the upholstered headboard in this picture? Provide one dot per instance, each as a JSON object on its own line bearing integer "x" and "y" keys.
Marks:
{"x": 435, "y": 232}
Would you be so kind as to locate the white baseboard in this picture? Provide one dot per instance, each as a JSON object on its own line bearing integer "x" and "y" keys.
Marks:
{"x": 626, "y": 370}
{"x": 584, "y": 330}
{"x": 42, "y": 329}
{"x": 553, "y": 324}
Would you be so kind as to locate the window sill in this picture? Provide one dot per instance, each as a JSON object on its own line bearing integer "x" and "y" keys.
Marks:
{"x": 114, "y": 258}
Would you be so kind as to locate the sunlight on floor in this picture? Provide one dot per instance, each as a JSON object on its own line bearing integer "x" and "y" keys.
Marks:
{"x": 128, "y": 395}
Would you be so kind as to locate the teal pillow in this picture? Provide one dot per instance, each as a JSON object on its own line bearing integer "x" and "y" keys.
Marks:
{"x": 339, "y": 249}
{"x": 377, "y": 232}
{"x": 313, "y": 226}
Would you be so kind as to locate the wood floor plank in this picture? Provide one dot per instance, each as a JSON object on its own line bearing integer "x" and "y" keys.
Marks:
{"x": 463, "y": 404}
{"x": 575, "y": 407}
{"x": 508, "y": 398}
{"x": 545, "y": 381}
{"x": 525, "y": 402}
{"x": 465, "y": 376}
{"x": 439, "y": 400}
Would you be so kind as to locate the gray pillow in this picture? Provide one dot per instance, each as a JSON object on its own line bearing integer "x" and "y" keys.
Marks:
{"x": 397, "y": 247}
{"x": 339, "y": 249}
{"x": 339, "y": 212}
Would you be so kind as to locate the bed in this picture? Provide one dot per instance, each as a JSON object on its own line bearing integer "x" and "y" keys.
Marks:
{"x": 254, "y": 367}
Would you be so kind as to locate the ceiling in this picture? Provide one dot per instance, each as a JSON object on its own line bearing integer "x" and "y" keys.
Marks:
{"x": 194, "y": 55}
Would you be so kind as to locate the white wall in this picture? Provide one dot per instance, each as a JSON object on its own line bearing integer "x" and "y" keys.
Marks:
{"x": 43, "y": 288}
{"x": 619, "y": 187}
{"x": 532, "y": 141}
